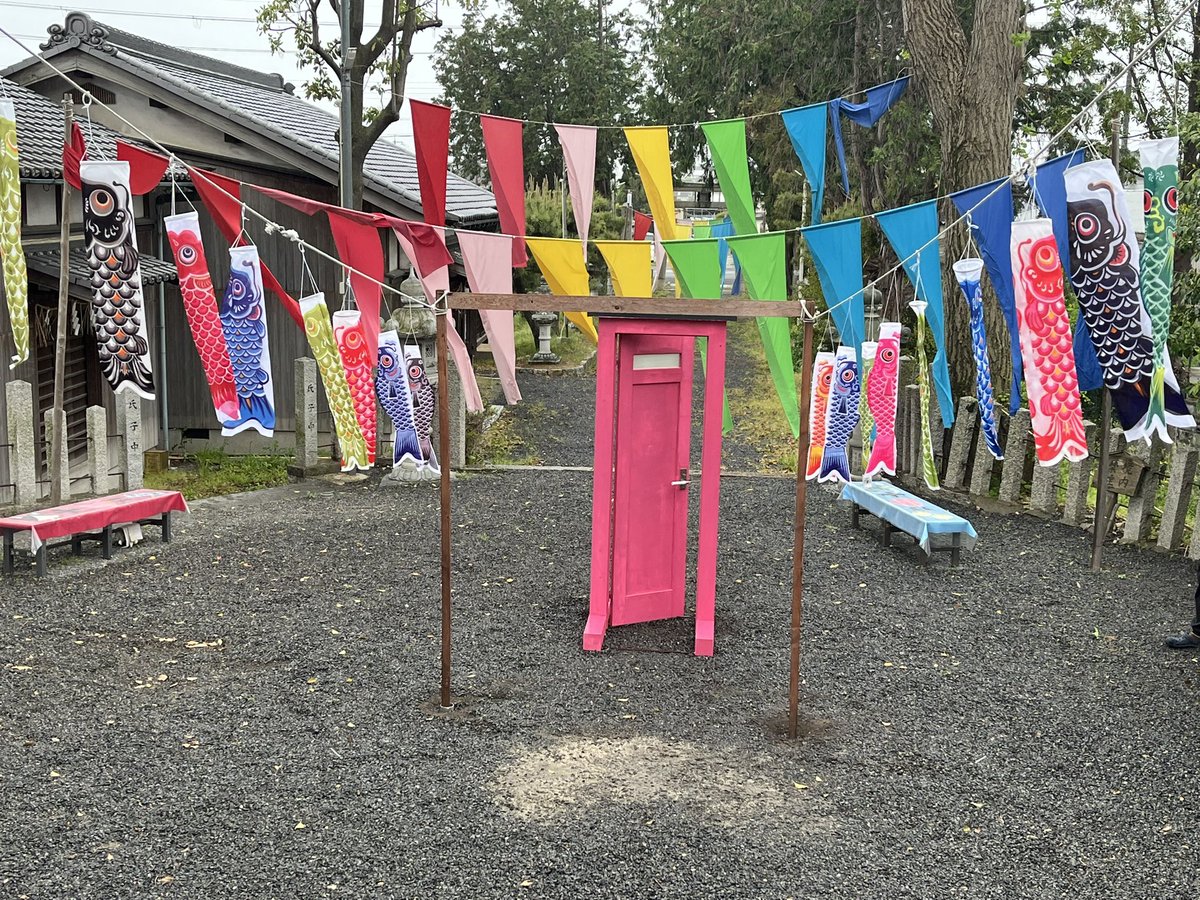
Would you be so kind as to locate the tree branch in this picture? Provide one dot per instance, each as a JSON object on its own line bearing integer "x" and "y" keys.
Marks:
{"x": 314, "y": 28}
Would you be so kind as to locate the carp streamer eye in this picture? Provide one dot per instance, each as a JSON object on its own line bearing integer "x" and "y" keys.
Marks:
{"x": 887, "y": 355}
{"x": 414, "y": 371}
{"x": 237, "y": 289}
{"x": 1045, "y": 257}
{"x": 827, "y": 377}
{"x": 1147, "y": 201}
{"x": 101, "y": 201}
{"x": 847, "y": 376}
{"x": 1172, "y": 199}
{"x": 386, "y": 360}
{"x": 1086, "y": 226}
{"x": 187, "y": 254}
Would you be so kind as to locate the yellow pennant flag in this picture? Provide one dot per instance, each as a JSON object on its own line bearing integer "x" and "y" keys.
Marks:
{"x": 630, "y": 263}
{"x": 652, "y": 155}
{"x": 565, "y": 269}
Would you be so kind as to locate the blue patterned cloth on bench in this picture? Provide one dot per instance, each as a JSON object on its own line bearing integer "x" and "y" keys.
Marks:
{"x": 911, "y": 514}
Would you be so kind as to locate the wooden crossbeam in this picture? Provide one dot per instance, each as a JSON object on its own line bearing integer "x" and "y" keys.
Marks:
{"x": 725, "y": 308}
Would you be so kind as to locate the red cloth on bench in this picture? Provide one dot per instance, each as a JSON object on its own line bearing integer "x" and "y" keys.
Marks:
{"x": 92, "y": 515}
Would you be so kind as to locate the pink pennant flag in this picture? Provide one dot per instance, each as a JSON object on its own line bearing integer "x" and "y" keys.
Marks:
{"x": 486, "y": 259}
{"x": 506, "y": 166}
{"x": 431, "y": 140}
{"x": 435, "y": 283}
{"x": 579, "y": 152}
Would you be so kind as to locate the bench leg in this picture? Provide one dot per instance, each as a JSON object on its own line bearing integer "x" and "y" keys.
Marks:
{"x": 8, "y": 553}
{"x": 40, "y": 559}
{"x": 107, "y": 542}
{"x": 956, "y": 549}
{"x": 76, "y": 544}
{"x": 886, "y": 538}
{"x": 165, "y": 522}
{"x": 854, "y": 515}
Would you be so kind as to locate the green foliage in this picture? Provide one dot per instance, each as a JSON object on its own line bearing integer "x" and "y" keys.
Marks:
{"x": 213, "y": 472}
{"x": 546, "y": 60}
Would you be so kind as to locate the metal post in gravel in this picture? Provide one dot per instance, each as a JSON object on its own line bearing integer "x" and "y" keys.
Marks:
{"x": 798, "y": 539}
{"x": 443, "y": 389}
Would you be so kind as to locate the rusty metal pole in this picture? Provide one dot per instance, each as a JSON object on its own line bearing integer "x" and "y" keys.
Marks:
{"x": 60, "y": 344}
{"x": 798, "y": 539}
{"x": 444, "y": 459}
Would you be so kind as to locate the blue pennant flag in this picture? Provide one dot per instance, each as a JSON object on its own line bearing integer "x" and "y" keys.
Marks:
{"x": 991, "y": 217}
{"x": 837, "y": 252}
{"x": 722, "y": 230}
{"x": 909, "y": 229}
{"x": 806, "y": 127}
{"x": 879, "y": 100}
{"x": 1050, "y": 191}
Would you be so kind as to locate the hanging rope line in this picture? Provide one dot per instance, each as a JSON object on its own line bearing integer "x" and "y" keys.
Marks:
{"x": 272, "y": 227}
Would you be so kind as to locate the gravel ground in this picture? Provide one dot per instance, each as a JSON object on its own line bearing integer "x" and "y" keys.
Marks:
{"x": 246, "y": 712}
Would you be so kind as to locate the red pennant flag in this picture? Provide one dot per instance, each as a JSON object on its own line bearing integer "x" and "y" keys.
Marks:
{"x": 506, "y": 166}
{"x": 222, "y": 196}
{"x": 641, "y": 225}
{"x": 146, "y": 169}
{"x": 73, "y": 154}
{"x": 427, "y": 243}
{"x": 359, "y": 247}
{"x": 431, "y": 139}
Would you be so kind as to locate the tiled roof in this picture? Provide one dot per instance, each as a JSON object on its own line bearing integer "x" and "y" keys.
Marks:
{"x": 46, "y": 262}
{"x": 266, "y": 105}
{"x": 40, "y": 133}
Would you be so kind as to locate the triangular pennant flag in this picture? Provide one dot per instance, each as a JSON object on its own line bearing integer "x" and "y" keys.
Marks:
{"x": 431, "y": 141}
{"x": 652, "y": 155}
{"x": 486, "y": 257}
{"x": 806, "y": 127}
{"x": 435, "y": 283}
{"x": 764, "y": 262}
{"x": 879, "y": 100}
{"x": 506, "y": 167}
{"x": 565, "y": 270}
{"x": 697, "y": 267}
{"x": 359, "y": 247}
{"x": 146, "y": 169}
{"x": 722, "y": 230}
{"x": 1049, "y": 188}
{"x": 701, "y": 230}
{"x": 579, "y": 153}
{"x": 641, "y": 225}
{"x": 913, "y": 233}
{"x": 727, "y": 144}
{"x": 630, "y": 264}
{"x": 989, "y": 210}
{"x": 222, "y": 197}
{"x": 837, "y": 253}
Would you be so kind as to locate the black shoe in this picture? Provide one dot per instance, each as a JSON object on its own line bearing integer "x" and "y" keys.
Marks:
{"x": 1189, "y": 640}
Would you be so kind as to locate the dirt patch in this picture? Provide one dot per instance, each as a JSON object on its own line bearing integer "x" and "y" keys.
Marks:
{"x": 573, "y": 776}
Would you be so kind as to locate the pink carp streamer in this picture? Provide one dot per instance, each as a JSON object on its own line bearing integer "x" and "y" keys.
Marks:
{"x": 356, "y": 359}
{"x": 883, "y": 389}
{"x": 1046, "y": 344}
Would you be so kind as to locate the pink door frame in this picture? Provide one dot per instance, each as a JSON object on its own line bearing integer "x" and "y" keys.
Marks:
{"x": 650, "y": 508}
{"x": 600, "y": 607}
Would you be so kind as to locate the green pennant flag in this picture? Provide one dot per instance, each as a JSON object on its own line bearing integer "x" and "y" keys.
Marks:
{"x": 764, "y": 264}
{"x": 727, "y": 144}
{"x": 697, "y": 266}
{"x": 701, "y": 230}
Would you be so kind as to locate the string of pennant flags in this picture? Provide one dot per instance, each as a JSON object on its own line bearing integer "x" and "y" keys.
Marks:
{"x": 1023, "y": 262}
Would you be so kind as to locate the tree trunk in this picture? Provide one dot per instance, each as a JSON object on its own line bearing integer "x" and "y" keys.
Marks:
{"x": 972, "y": 87}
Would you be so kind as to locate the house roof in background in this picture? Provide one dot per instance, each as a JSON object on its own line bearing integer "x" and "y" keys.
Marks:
{"x": 46, "y": 262}
{"x": 40, "y": 133}
{"x": 263, "y": 103}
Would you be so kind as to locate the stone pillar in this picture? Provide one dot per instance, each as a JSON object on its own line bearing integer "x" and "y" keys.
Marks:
{"x": 306, "y": 412}
{"x": 1043, "y": 493}
{"x": 1079, "y": 479}
{"x": 1015, "y": 449}
{"x": 97, "y": 449}
{"x": 64, "y": 478}
{"x": 1141, "y": 505}
{"x": 22, "y": 455}
{"x": 981, "y": 468}
{"x": 960, "y": 442}
{"x": 458, "y": 416}
{"x": 1180, "y": 481}
{"x": 129, "y": 426}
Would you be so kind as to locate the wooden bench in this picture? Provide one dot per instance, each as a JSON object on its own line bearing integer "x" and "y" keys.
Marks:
{"x": 899, "y": 510}
{"x": 90, "y": 520}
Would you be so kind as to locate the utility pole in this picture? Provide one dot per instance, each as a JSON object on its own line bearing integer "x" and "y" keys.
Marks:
{"x": 60, "y": 345}
{"x": 346, "y": 142}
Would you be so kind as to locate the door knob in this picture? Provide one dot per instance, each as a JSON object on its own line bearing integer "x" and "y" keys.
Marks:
{"x": 683, "y": 481}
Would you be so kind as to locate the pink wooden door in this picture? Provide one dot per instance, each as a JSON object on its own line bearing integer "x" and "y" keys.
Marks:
{"x": 654, "y": 403}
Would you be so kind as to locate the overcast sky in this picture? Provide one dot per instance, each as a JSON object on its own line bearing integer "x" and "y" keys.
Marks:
{"x": 227, "y": 31}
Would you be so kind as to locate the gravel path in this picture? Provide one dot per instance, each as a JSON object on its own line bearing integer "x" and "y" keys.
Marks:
{"x": 246, "y": 712}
